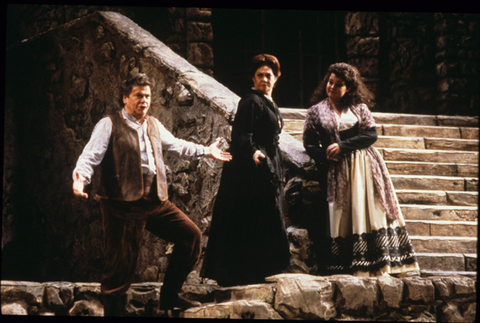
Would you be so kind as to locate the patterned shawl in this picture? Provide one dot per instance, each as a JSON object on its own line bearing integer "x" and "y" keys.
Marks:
{"x": 337, "y": 177}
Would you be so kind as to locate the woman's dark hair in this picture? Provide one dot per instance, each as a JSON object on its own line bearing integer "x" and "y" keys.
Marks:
{"x": 268, "y": 60}
{"x": 139, "y": 79}
{"x": 358, "y": 91}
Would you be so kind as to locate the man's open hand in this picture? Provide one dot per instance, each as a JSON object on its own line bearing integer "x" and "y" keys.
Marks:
{"x": 216, "y": 153}
{"x": 78, "y": 186}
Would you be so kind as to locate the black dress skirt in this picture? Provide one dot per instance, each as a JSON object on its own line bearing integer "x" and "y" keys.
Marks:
{"x": 247, "y": 239}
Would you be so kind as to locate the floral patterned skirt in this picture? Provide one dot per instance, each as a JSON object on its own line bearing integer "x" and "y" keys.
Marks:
{"x": 363, "y": 241}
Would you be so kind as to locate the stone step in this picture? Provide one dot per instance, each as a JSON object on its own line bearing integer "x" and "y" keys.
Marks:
{"x": 439, "y": 183}
{"x": 456, "y": 262}
{"x": 451, "y": 144}
{"x": 428, "y": 168}
{"x": 439, "y": 212}
{"x": 297, "y": 135}
{"x": 431, "y": 156}
{"x": 402, "y": 130}
{"x": 427, "y": 131}
{"x": 414, "y": 142}
{"x": 428, "y": 273}
{"x": 460, "y": 198}
{"x": 400, "y": 118}
{"x": 442, "y": 228}
{"x": 426, "y": 120}
{"x": 441, "y": 244}
{"x": 426, "y": 143}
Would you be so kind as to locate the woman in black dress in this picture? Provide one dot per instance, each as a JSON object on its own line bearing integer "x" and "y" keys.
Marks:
{"x": 247, "y": 237}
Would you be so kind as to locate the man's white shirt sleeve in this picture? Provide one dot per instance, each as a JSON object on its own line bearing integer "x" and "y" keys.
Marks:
{"x": 95, "y": 149}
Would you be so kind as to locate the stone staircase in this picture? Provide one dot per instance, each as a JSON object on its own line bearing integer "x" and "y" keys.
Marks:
{"x": 433, "y": 163}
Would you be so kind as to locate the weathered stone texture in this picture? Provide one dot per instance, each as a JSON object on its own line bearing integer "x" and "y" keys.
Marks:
{"x": 391, "y": 291}
{"x": 59, "y": 296}
{"x": 284, "y": 296}
{"x": 419, "y": 290}
{"x": 242, "y": 309}
{"x": 260, "y": 292}
{"x": 303, "y": 296}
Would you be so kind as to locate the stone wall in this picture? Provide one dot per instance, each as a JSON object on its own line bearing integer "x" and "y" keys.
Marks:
{"x": 417, "y": 62}
{"x": 187, "y": 31}
{"x": 457, "y": 52}
{"x": 59, "y": 85}
{"x": 191, "y": 36}
{"x": 285, "y": 296}
{"x": 363, "y": 46}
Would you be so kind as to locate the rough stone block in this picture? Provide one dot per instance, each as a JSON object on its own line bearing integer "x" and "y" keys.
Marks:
{"x": 257, "y": 292}
{"x": 471, "y": 262}
{"x": 359, "y": 23}
{"x": 301, "y": 296}
{"x": 199, "y": 31}
{"x": 59, "y": 296}
{"x": 441, "y": 261}
{"x": 200, "y": 54}
{"x": 31, "y": 292}
{"x": 92, "y": 289}
{"x": 418, "y": 228}
{"x": 241, "y": 309}
{"x": 421, "y": 197}
{"x": 418, "y": 290}
{"x": 88, "y": 307}
{"x": 199, "y": 292}
{"x": 471, "y": 184}
{"x": 462, "y": 198}
{"x": 356, "y": 295}
{"x": 144, "y": 294}
{"x": 452, "y": 312}
{"x": 391, "y": 291}
{"x": 362, "y": 46}
{"x": 19, "y": 307}
{"x": 469, "y": 133}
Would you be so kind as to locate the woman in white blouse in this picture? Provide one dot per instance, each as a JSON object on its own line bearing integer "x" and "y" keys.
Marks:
{"x": 366, "y": 233}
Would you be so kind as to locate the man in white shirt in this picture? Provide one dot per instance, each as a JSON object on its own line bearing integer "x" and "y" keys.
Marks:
{"x": 133, "y": 195}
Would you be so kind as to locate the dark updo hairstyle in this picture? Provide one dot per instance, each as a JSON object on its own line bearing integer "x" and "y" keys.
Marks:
{"x": 358, "y": 92}
{"x": 139, "y": 79}
{"x": 268, "y": 60}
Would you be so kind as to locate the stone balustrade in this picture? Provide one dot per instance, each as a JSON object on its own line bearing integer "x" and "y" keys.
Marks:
{"x": 285, "y": 296}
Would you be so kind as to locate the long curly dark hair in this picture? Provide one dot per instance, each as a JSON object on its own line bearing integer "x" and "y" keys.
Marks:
{"x": 358, "y": 91}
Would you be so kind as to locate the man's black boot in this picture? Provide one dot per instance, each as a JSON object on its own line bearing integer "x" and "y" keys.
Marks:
{"x": 113, "y": 305}
{"x": 177, "y": 301}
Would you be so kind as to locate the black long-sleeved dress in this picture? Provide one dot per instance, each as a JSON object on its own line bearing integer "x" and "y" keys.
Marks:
{"x": 247, "y": 238}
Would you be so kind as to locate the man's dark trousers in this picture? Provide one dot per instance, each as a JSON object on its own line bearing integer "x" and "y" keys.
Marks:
{"x": 124, "y": 224}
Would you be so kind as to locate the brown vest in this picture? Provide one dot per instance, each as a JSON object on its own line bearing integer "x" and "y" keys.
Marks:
{"x": 122, "y": 177}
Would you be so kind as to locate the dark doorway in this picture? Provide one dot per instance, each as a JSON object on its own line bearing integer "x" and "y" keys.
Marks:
{"x": 305, "y": 42}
